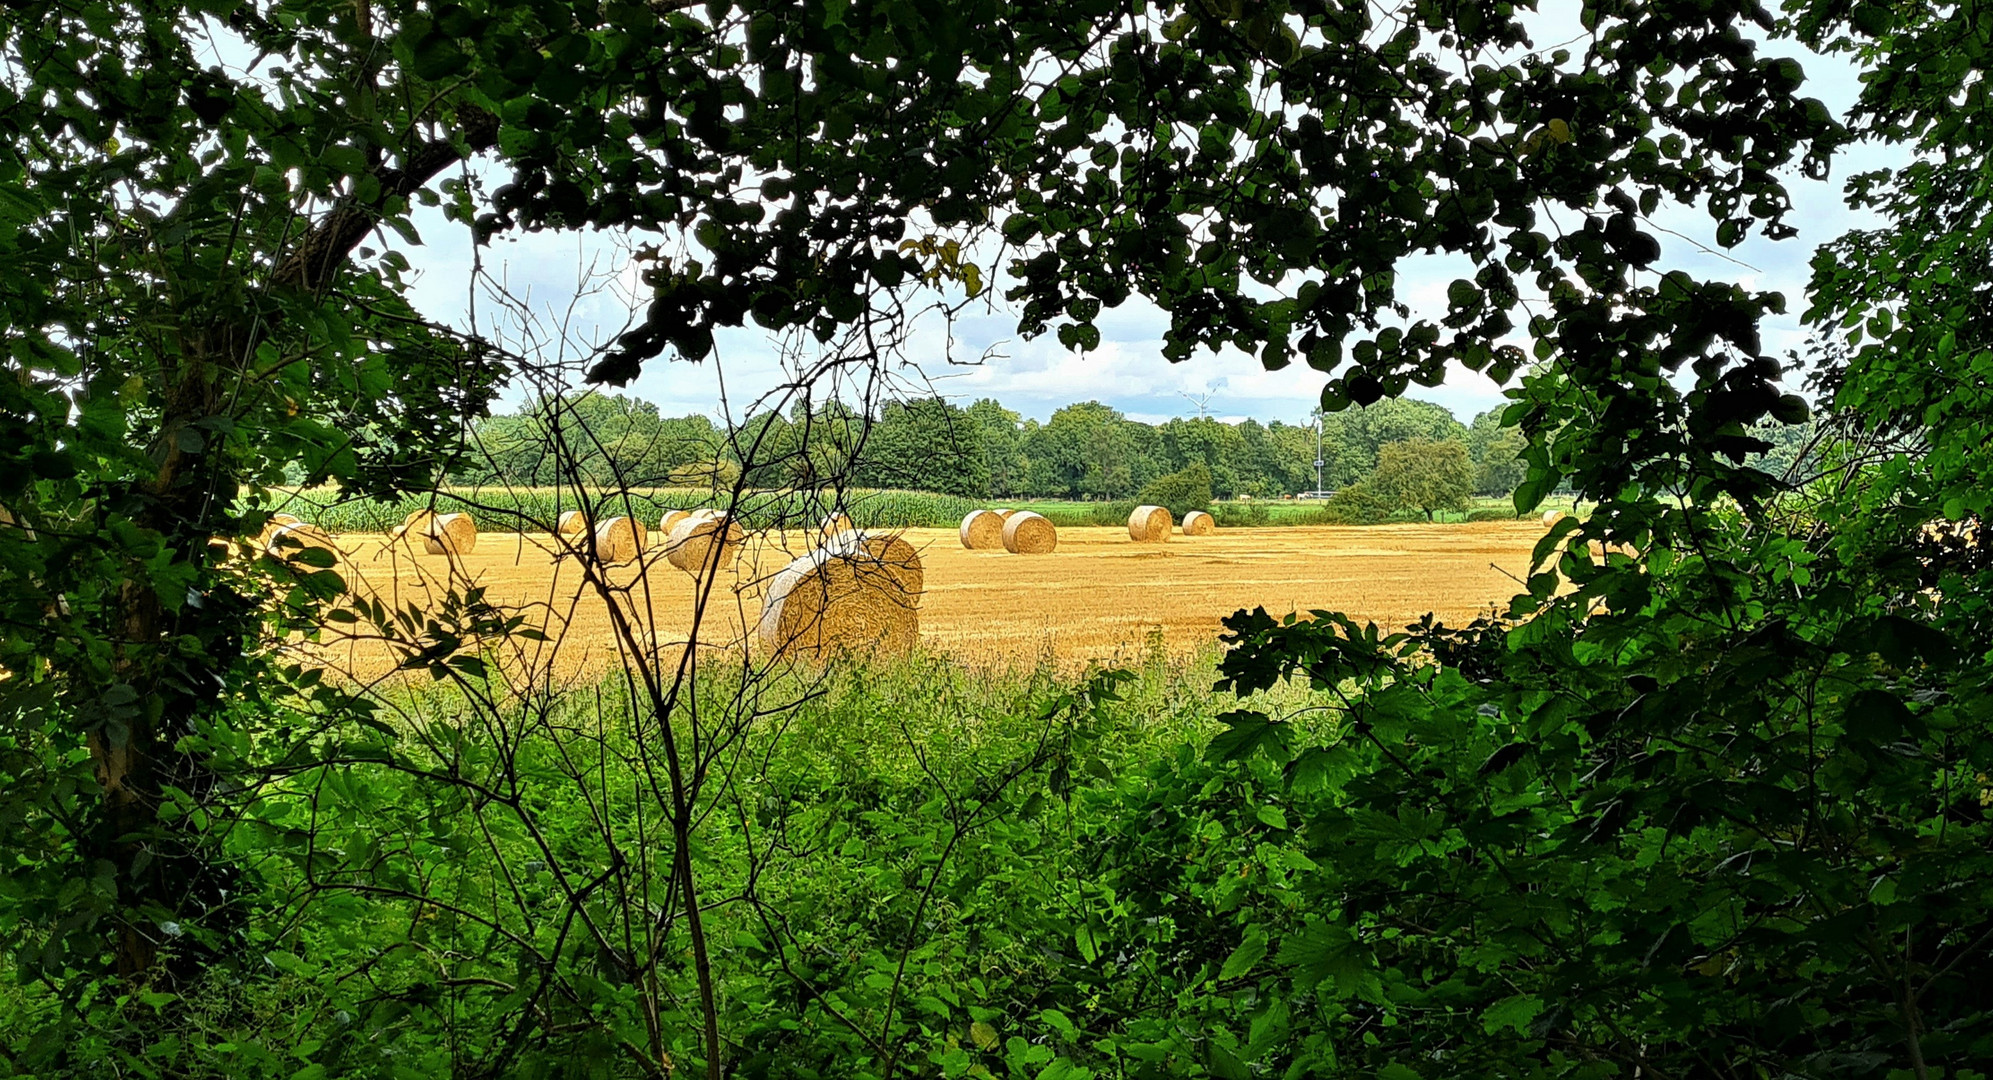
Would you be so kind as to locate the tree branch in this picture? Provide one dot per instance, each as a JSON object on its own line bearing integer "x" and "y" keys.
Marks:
{"x": 325, "y": 249}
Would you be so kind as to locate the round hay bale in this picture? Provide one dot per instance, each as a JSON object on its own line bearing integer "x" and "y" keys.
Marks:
{"x": 670, "y": 521}
{"x": 1199, "y": 523}
{"x": 982, "y": 530}
{"x": 289, "y": 541}
{"x": 450, "y": 534}
{"x": 888, "y": 553}
{"x": 1149, "y": 525}
{"x": 1028, "y": 533}
{"x": 620, "y": 540}
{"x": 281, "y": 520}
{"x": 415, "y": 524}
{"x": 1551, "y": 517}
{"x": 573, "y": 523}
{"x": 840, "y": 598}
{"x": 1004, "y": 513}
{"x": 833, "y": 524}
{"x": 690, "y": 545}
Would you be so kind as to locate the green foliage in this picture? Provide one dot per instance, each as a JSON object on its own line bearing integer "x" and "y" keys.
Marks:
{"x": 593, "y": 440}
{"x": 1423, "y": 475}
{"x": 1353, "y": 440}
{"x": 999, "y": 433}
{"x": 1181, "y": 492}
{"x": 917, "y": 803}
{"x": 1223, "y": 451}
{"x": 1713, "y": 803}
{"x": 1470, "y": 761}
{"x": 1246, "y": 515}
{"x": 927, "y": 444}
{"x": 1086, "y": 451}
{"x": 1497, "y": 455}
{"x": 1360, "y": 504}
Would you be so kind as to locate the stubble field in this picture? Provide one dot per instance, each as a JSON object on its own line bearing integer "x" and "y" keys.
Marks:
{"x": 1099, "y": 597}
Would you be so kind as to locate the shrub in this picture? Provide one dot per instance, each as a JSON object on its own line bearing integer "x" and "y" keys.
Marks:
{"x": 1187, "y": 489}
{"x": 1240, "y": 515}
{"x": 1110, "y": 513}
{"x": 1489, "y": 514}
{"x": 1357, "y": 504}
{"x": 1423, "y": 474}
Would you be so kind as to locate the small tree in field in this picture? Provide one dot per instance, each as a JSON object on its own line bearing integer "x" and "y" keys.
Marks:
{"x": 1429, "y": 475}
{"x": 1187, "y": 489}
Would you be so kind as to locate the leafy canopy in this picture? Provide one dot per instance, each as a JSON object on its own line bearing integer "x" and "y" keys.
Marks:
{"x": 1423, "y": 474}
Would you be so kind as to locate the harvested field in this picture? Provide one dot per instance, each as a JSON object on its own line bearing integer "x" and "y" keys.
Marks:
{"x": 1097, "y": 597}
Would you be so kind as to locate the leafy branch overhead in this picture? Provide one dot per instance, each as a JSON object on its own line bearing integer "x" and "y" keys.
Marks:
{"x": 1708, "y": 798}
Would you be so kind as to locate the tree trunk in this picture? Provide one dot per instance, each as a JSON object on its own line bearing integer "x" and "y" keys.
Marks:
{"x": 163, "y": 870}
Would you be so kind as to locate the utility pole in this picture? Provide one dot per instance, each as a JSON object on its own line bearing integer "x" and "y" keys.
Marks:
{"x": 1318, "y": 453}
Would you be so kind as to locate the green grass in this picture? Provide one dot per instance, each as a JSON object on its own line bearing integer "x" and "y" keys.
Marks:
{"x": 471, "y": 868}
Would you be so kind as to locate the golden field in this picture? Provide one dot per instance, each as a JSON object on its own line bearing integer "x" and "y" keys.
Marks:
{"x": 1100, "y": 596}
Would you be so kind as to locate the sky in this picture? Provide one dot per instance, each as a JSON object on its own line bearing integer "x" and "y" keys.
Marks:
{"x": 981, "y": 355}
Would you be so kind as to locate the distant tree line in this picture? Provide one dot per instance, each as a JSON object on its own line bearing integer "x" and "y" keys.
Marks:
{"x": 1084, "y": 451}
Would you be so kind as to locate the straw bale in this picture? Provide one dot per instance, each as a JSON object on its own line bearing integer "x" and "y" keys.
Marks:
{"x": 1199, "y": 523}
{"x": 847, "y": 596}
{"x": 1028, "y": 533}
{"x": 271, "y": 526}
{"x": 887, "y": 552}
{"x": 982, "y": 530}
{"x": 670, "y": 521}
{"x": 690, "y": 545}
{"x": 1966, "y": 531}
{"x": 573, "y": 523}
{"x": 1149, "y": 525}
{"x": 288, "y": 541}
{"x": 414, "y": 525}
{"x": 1004, "y": 513}
{"x": 1551, "y": 517}
{"x": 620, "y": 540}
{"x": 450, "y": 534}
